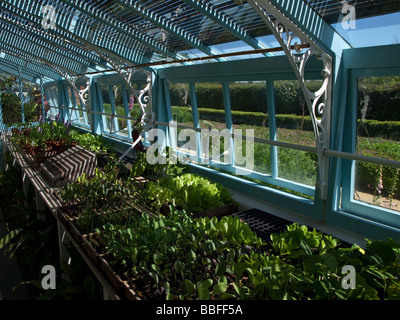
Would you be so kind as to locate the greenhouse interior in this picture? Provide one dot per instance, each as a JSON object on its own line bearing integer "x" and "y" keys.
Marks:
{"x": 200, "y": 150}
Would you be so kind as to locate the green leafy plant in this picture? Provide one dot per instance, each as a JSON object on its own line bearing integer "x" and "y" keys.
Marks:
{"x": 176, "y": 256}
{"x": 191, "y": 192}
{"x": 306, "y": 264}
{"x": 142, "y": 167}
{"x": 99, "y": 199}
{"x": 91, "y": 142}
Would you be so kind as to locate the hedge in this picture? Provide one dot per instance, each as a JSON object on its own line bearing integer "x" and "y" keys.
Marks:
{"x": 384, "y": 129}
{"x": 251, "y": 97}
{"x": 368, "y": 128}
{"x": 289, "y": 121}
{"x": 384, "y": 91}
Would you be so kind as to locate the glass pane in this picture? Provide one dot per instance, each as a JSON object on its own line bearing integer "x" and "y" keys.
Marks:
{"x": 210, "y": 104}
{"x": 249, "y": 112}
{"x": 294, "y": 126}
{"x": 107, "y": 122}
{"x": 186, "y": 139}
{"x": 293, "y": 120}
{"x": 180, "y": 103}
{"x": 382, "y": 29}
{"x": 120, "y": 110}
{"x": 75, "y": 115}
{"x": 378, "y": 135}
{"x": 298, "y": 166}
{"x": 52, "y": 94}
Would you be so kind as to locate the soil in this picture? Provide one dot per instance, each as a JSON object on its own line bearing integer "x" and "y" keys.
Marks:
{"x": 381, "y": 201}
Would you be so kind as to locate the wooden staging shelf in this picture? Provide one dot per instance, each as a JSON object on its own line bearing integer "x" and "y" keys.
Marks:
{"x": 46, "y": 195}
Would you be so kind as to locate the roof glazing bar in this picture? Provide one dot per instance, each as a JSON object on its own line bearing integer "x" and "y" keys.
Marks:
{"x": 167, "y": 25}
{"x": 105, "y": 19}
{"x": 31, "y": 65}
{"x": 62, "y": 31}
{"x": 26, "y": 75}
{"x": 226, "y": 22}
{"x": 34, "y": 47}
{"x": 75, "y": 52}
{"x": 26, "y": 53}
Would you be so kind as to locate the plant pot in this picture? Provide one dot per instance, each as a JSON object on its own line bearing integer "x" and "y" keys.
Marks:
{"x": 27, "y": 131}
{"x": 28, "y": 149}
{"x": 129, "y": 293}
{"x": 58, "y": 146}
{"x": 110, "y": 274}
{"x": 122, "y": 287}
{"x": 15, "y": 131}
{"x": 42, "y": 155}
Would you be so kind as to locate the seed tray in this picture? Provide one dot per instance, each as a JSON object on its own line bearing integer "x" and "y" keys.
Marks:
{"x": 263, "y": 223}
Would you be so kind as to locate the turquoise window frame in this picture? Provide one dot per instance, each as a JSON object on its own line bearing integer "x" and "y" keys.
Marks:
{"x": 75, "y": 110}
{"x": 105, "y": 130}
{"x": 52, "y": 98}
{"x": 348, "y": 203}
{"x": 271, "y": 179}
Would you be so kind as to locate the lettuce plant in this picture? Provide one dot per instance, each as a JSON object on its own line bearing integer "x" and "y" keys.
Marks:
{"x": 189, "y": 192}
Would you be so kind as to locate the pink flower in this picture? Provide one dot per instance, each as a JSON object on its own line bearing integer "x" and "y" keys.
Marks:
{"x": 131, "y": 101}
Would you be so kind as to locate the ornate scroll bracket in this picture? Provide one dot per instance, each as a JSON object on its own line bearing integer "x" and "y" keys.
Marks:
{"x": 142, "y": 96}
{"x": 82, "y": 93}
{"x": 289, "y": 35}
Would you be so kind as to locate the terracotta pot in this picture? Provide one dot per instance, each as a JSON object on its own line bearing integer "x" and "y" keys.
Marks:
{"x": 28, "y": 149}
{"x": 42, "y": 155}
{"x": 15, "y": 131}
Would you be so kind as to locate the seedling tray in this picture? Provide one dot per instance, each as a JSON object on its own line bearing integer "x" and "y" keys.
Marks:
{"x": 263, "y": 223}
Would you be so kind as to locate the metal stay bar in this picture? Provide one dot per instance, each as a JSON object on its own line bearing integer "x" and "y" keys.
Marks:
{"x": 326, "y": 152}
{"x": 359, "y": 157}
{"x": 243, "y": 137}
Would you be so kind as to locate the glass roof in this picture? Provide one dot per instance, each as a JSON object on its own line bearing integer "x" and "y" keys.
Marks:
{"x": 374, "y": 22}
{"x": 94, "y": 35}
{"x": 372, "y": 31}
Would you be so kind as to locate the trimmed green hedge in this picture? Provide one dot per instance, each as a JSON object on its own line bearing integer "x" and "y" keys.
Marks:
{"x": 371, "y": 128}
{"x": 384, "y": 129}
{"x": 252, "y": 97}
{"x": 289, "y": 121}
{"x": 380, "y": 179}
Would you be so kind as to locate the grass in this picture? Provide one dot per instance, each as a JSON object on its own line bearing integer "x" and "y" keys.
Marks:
{"x": 301, "y": 166}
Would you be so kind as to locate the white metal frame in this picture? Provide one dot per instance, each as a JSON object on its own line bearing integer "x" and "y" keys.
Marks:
{"x": 319, "y": 103}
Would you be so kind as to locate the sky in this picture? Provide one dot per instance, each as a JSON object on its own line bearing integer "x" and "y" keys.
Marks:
{"x": 375, "y": 31}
